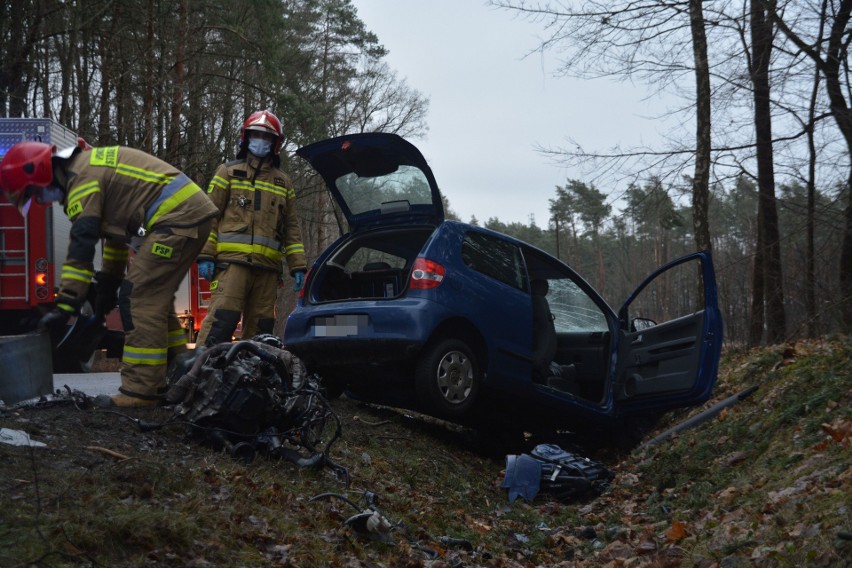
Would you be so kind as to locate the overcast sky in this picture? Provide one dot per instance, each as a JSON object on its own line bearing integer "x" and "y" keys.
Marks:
{"x": 490, "y": 107}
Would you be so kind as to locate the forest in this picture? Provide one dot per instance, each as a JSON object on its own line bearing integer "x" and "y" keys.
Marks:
{"x": 758, "y": 172}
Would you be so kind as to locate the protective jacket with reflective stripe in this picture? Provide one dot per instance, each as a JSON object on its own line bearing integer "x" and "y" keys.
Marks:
{"x": 117, "y": 193}
{"x": 258, "y": 221}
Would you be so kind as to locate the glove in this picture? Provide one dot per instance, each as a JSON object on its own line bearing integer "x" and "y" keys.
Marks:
{"x": 55, "y": 320}
{"x": 106, "y": 297}
{"x": 300, "y": 280}
{"x": 206, "y": 268}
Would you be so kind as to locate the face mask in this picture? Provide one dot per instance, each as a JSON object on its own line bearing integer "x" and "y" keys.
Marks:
{"x": 259, "y": 147}
{"x": 49, "y": 195}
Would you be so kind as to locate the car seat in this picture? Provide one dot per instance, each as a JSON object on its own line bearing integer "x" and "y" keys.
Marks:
{"x": 545, "y": 369}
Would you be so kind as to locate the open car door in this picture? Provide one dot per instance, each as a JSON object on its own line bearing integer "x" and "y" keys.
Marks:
{"x": 671, "y": 338}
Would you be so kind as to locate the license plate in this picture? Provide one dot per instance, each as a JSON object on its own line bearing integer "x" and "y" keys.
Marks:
{"x": 340, "y": 325}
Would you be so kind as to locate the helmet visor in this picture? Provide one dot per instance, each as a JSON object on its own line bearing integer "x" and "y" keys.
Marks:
{"x": 23, "y": 200}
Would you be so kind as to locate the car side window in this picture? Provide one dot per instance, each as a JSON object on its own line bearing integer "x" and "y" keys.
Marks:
{"x": 573, "y": 310}
{"x": 494, "y": 257}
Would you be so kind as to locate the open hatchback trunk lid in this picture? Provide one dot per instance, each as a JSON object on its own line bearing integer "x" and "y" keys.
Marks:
{"x": 377, "y": 179}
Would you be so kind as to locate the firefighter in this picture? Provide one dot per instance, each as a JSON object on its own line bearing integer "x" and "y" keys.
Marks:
{"x": 129, "y": 199}
{"x": 257, "y": 225}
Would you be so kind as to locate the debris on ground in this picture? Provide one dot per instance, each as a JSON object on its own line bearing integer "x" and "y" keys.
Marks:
{"x": 550, "y": 469}
{"x": 255, "y": 396}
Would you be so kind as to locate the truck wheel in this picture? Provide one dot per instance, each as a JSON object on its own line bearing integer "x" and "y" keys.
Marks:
{"x": 448, "y": 378}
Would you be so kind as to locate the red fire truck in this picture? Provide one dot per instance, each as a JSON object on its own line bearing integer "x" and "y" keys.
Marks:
{"x": 33, "y": 249}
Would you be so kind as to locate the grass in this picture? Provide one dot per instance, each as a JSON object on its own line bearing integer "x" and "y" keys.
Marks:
{"x": 764, "y": 483}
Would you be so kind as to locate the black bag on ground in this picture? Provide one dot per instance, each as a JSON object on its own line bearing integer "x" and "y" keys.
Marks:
{"x": 551, "y": 470}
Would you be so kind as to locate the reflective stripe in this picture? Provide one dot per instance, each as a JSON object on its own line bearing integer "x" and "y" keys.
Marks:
{"x": 272, "y": 254}
{"x": 213, "y": 237}
{"x": 82, "y": 191}
{"x": 296, "y": 248}
{"x": 175, "y": 192}
{"x": 217, "y": 181}
{"x": 116, "y": 254}
{"x": 72, "y": 273}
{"x": 145, "y": 355}
{"x": 143, "y": 174}
{"x": 263, "y": 186}
{"x": 248, "y": 239}
{"x": 176, "y": 337}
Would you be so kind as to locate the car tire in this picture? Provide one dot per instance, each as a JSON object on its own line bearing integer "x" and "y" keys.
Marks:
{"x": 448, "y": 378}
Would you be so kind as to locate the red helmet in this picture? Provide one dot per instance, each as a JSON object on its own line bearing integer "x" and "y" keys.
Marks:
{"x": 25, "y": 164}
{"x": 263, "y": 121}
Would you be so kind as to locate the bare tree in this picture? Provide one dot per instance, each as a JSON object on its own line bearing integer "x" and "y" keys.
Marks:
{"x": 833, "y": 63}
{"x": 768, "y": 304}
{"x": 645, "y": 39}
{"x": 703, "y": 143}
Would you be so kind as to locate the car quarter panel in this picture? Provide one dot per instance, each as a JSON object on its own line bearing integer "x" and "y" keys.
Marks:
{"x": 501, "y": 312}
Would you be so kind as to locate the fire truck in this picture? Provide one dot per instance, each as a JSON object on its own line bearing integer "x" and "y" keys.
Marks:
{"x": 33, "y": 249}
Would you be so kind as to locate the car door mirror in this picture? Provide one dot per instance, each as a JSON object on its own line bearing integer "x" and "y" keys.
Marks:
{"x": 640, "y": 324}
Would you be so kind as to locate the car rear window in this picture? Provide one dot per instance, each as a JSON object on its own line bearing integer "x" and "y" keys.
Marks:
{"x": 494, "y": 257}
{"x": 406, "y": 185}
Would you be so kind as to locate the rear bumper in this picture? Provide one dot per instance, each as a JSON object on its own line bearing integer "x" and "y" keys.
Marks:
{"x": 331, "y": 353}
{"x": 362, "y": 333}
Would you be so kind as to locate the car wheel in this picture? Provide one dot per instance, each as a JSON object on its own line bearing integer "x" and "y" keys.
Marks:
{"x": 448, "y": 378}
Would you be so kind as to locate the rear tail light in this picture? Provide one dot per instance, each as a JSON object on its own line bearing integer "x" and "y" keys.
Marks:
{"x": 426, "y": 274}
{"x": 301, "y": 294}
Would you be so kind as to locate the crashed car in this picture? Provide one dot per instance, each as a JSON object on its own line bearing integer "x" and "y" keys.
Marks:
{"x": 466, "y": 324}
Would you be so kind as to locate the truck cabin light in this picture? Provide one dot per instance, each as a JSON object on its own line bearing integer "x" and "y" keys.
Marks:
{"x": 426, "y": 274}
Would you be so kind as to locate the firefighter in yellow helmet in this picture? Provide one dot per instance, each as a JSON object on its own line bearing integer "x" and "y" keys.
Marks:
{"x": 257, "y": 226}
{"x": 129, "y": 199}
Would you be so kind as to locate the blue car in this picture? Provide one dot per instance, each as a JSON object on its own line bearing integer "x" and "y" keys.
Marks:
{"x": 470, "y": 325}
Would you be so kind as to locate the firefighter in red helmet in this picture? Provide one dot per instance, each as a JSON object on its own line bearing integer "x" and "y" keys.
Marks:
{"x": 125, "y": 198}
{"x": 257, "y": 228}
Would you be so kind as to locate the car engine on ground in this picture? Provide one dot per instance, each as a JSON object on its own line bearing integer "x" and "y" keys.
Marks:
{"x": 255, "y": 396}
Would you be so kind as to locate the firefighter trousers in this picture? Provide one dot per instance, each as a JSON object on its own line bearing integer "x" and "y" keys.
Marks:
{"x": 153, "y": 333}
{"x": 239, "y": 289}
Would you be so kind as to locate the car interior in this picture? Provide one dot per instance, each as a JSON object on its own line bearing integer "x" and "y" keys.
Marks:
{"x": 570, "y": 333}
{"x": 377, "y": 266}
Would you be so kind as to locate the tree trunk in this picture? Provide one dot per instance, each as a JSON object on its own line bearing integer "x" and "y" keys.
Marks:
{"x": 24, "y": 24}
{"x": 810, "y": 252}
{"x": 173, "y": 149}
{"x": 148, "y": 97}
{"x": 757, "y": 320}
{"x": 837, "y": 54}
{"x": 836, "y": 59}
{"x": 701, "y": 181}
{"x": 761, "y": 37}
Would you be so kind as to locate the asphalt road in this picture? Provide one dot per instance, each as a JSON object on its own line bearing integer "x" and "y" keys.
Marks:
{"x": 91, "y": 384}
